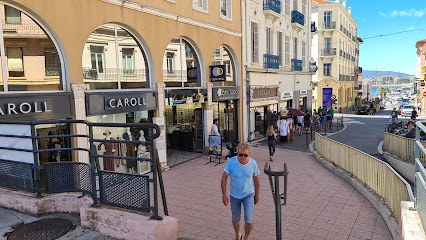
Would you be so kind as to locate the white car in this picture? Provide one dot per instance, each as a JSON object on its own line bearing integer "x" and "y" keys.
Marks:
{"x": 406, "y": 110}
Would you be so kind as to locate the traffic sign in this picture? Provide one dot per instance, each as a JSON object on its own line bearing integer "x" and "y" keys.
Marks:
{"x": 333, "y": 97}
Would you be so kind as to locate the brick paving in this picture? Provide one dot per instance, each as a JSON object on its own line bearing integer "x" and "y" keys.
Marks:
{"x": 320, "y": 205}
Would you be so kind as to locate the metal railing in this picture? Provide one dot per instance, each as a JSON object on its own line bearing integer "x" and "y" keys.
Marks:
{"x": 329, "y": 25}
{"x": 272, "y": 5}
{"x": 296, "y": 65}
{"x": 110, "y": 74}
{"x": 297, "y": 17}
{"x": 328, "y": 52}
{"x": 374, "y": 173}
{"x": 23, "y": 27}
{"x": 403, "y": 148}
{"x": 420, "y": 176}
{"x": 271, "y": 61}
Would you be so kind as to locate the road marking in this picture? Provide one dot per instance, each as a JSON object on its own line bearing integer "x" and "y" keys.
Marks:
{"x": 351, "y": 121}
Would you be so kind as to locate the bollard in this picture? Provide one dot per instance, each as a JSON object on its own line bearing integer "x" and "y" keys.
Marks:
{"x": 275, "y": 189}
{"x": 325, "y": 127}
{"x": 307, "y": 141}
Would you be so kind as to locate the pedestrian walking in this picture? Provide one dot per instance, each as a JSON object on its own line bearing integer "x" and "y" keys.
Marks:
{"x": 414, "y": 114}
{"x": 307, "y": 121}
{"x": 244, "y": 188}
{"x": 300, "y": 124}
{"x": 316, "y": 120}
{"x": 394, "y": 115}
{"x": 321, "y": 112}
{"x": 290, "y": 123}
{"x": 371, "y": 108}
{"x": 283, "y": 129}
{"x": 272, "y": 138}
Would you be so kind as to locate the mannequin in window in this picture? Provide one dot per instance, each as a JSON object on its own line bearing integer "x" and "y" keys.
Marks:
{"x": 131, "y": 151}
{"x": 141, "y": 147}
{"x": 109, "y": 150}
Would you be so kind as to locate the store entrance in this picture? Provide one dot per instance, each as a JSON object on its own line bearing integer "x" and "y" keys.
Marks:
{"x": 227, "y": 113}
{"x": 184, "y": 131}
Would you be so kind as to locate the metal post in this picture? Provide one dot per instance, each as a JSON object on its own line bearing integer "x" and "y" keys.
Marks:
{"x": 307, "y": 140}
{"x": 277, "y": 209}
{"x": 325, "y": 127}
{"x": 94, "y": 166}
{"x": 155, "y": 216}
{"x": 36, "y": 159}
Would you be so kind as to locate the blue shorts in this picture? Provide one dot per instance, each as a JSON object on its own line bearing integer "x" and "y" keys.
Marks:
{"x": 248, "y": 203}
{"x": 322, "y": 119}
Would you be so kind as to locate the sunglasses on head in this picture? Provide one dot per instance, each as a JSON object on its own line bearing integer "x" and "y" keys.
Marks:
{"x": 245, "y": 155}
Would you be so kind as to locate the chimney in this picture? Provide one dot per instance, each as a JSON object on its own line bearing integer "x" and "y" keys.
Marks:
{"x": 349, "y": 10}
{"x": 344, "y": 3}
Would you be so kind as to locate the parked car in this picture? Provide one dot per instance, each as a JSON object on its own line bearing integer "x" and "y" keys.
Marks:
{"x": 363, "y": 109}
{"x": 382, "y": 105}
{"x": 406, "y": 110}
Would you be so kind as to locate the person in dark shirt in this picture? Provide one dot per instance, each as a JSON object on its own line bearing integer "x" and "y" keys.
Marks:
{"x": 414, "y": 114}
{"x": 307, "y": 121}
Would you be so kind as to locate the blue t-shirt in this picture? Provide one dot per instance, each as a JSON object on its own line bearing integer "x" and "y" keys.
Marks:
{"x": 241, "y": 177}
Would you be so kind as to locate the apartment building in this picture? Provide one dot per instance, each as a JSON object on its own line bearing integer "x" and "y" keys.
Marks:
{"x": 276, "y": 56}
{"x": 173, "y": 63}
{"x": 421, "y": 72}
{"x": 335, "y": 48}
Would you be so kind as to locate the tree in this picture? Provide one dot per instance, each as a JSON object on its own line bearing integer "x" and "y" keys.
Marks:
{"x": 382, "y": 91}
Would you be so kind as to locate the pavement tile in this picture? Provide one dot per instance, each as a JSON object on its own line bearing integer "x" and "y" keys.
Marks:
{"x": 380, "y": 236}
{"x": 337, "y": 236}
{"x": 293, "y": 234}
{"x": 361, "y": 234}
{"x": 318, "y": 232}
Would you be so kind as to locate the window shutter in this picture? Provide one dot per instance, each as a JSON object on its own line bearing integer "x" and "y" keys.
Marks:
{"x": 287, "y": 50}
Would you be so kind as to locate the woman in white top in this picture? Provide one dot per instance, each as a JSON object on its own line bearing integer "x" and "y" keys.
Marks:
{"x": 283, "y": 128}
{"x": 290, "y": 128}
{"x": 300, "y": 124}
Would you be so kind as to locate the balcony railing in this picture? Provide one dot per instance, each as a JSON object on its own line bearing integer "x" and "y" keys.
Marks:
{"x": 329, "y": 25}
{"x": 271, "y": 61}
{"x": 110, "y": 74}
{"x": 297, "y": 17}
{"x": 296, "y": 65}
{"x": 272, "y": 5}
{"x": 52, "y": 72}
{"x": 328, "y": 52}
{"x": 353, "y": 38}
{"x": 22, "y": 27}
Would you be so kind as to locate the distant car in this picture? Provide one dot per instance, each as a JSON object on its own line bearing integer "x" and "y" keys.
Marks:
{"x": 406, "y": 110}
{"x": 363, "y": 109}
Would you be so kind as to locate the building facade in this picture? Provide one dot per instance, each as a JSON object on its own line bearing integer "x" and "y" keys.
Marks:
{"x": 421, "y": 73}
{"x": 276, "y": 56}
{"x": 173, "y": 63}
{"x": 335, "y": 49}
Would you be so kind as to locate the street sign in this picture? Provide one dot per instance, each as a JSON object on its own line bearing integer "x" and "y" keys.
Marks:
{"x": 333, "y": 97}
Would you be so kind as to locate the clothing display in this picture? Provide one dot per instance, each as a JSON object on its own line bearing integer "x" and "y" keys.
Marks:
{"x": 110, "y": 149}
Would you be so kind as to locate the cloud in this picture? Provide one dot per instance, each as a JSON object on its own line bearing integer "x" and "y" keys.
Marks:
{"x": 382, "y": 14}
{"x": 408, "y": 13}
{"x": 410, "y": 28}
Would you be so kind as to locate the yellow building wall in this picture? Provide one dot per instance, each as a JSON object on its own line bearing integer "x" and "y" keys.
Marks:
{"x": 344, "y": 91}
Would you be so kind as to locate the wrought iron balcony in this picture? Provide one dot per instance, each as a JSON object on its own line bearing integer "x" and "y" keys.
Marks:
{"x": 23, "y": 28}
{"x": 272, "y": 5}
{"x": 329, "y": 25}
{"x": 297, "y": 18}
{"x": 353, "y": 38}
{"x": 110, "y": 74}
{"x": 271, "y": 61}
{"x": 313, "y": 27}
{"x": 296, "y": 65}
{"x": 328, "y": 52}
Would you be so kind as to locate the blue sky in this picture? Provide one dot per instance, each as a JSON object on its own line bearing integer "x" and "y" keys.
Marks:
{"x": 395, "y": 52}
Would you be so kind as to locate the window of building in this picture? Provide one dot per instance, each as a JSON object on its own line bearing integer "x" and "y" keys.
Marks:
{"x": 303, "y": 53}
{"x": 113, "y": 59}
{"x": 295, "y": 48}
{"x": 287, "y": 7}
{"x": 269, "y": 40}
{"x": 280, "y": 47}
{"x": 327, "y": 19}
{"x": 287, "y": 50}
{"x": 304, "y": 9}
{"x": 225, "y": 9}
{"x": 12, "y": 15}
{"x": 181, "y": 67}
{"x": 31, "y": 58}
{"x": 254, "y": 43}
{"x": 15, "y": 63}
{"x": 200, "y": 5}
{"x": 327, "y": 69}
{"x": 295, "y": 5}
{"x": 225, "y": 58}
{"x": 51, "y": 63}
{"x": 327, "y": 43}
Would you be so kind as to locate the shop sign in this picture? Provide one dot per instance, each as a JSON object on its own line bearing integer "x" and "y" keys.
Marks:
{"x": 100, "y": 103}
{"x": 225, "y": 93}
{"x": 183, "y": 96}
{"x": 218, "y": 73}
{"x": 303, "y": 93}
{"x": 263, "y": 93}
{"x": 30, "y": 107}
{"x": 191, "y": 75}
{"x": 424, "y": 94}
{"x": 422, "y": 84}
{"x": 286, "y": 96}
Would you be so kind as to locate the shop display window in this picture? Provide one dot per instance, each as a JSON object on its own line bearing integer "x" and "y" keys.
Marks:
{"x": 222, "y": 56}
{"x": 123, "y": 149}
{"x": 181, "y": 67}
{"x": 226, "y": 113}
{"x": 113, "y": 59}
{"x": 32, "y": 60}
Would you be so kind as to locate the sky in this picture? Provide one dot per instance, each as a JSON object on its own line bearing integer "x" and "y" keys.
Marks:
{"x": 394, "y": 52}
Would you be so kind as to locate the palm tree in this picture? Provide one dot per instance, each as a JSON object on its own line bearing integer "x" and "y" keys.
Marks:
{"x": 382, "y": 91}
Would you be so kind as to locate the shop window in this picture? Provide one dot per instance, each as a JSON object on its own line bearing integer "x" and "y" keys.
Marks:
{"x": 15, "y": 63}
{"x": 31, "y": 55}
{"x": 114, "y": 59}
{"x": 51, "y": 63}
{"x": 222, "y": 56}
{"x": 12, "y": 15}
{"x": 181, "y": 66}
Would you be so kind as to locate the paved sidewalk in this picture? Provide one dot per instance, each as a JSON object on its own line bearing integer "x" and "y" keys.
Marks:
{"x": 320, "y": 205}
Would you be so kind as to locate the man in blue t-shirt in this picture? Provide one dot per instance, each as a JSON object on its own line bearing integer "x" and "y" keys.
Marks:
{"x": 244, "y": 188}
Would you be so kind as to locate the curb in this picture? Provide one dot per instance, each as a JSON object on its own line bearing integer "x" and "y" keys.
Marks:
{"x": 378, "y": 202}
